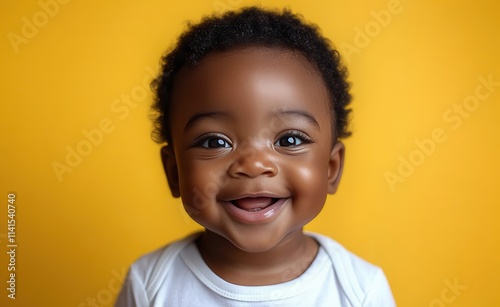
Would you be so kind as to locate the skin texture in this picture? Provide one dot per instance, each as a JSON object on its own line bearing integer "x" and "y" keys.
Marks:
{"x": 251, "y": 127}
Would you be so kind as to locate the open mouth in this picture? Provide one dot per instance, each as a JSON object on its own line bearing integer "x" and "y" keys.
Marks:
{"x": 254, "y": 204}
{"x": 255, "y": 209}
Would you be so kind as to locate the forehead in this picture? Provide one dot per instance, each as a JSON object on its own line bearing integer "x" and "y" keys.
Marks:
{"x": 267, "y": 79}
{"x": 261, "y": 63}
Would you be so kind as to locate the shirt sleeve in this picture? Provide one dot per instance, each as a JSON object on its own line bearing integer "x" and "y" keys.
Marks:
{"x": 380, "y": 294}
{"x": 133, "y": 292}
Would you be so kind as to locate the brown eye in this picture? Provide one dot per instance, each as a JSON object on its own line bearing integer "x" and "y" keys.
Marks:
{"x": 288, "y": 141}
{"x": 292, "y": 139}
{"x": 215, "y": 142}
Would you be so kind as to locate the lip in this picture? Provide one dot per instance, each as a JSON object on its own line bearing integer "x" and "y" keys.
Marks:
{"x": 254, "y": 195}
{"x": 255, "y": 217}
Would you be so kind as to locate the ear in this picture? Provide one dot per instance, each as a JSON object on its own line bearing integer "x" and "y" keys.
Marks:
{"x": 170, "y": 167}
{"x": 335, "y": 167}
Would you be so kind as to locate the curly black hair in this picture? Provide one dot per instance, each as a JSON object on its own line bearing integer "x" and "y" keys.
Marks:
{"x": 253, "y": 26}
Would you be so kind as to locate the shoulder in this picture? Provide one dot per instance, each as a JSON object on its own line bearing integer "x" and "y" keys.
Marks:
{"x": 146, "y": 274}
{"x": 151, "y": 268}
{"x": 347, "y": 265}
{"x": 359, "y": 280}
{"x": 158, "y": 258}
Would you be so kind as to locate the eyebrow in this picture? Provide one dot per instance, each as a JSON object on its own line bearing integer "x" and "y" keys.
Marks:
{"x": 299, "y": 113}
{"x": 200, "y": 116}
{"x": 215, "y": 115}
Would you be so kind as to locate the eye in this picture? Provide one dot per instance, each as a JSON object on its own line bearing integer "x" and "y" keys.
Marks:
{"x": 292, "y": 139}
{"x": 288, "y": 141}
{"x": 214, "y": 142}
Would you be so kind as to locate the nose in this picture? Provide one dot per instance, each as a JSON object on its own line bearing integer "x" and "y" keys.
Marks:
{"x": 253, "y": 162}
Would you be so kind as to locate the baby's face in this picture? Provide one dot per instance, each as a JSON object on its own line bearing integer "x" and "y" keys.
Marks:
{"x": 252, "y": 145}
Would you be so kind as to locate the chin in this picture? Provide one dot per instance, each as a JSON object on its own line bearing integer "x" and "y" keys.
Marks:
{"x": 255, "y": 243}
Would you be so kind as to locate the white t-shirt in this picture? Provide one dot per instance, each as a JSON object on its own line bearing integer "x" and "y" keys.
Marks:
{"x": 176, "y": 275}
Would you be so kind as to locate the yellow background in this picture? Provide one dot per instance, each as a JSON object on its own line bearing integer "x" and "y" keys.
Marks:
{"x": 79, "y": 232}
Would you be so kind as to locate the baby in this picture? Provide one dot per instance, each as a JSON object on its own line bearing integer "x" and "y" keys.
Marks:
{"x": 251, "y": 105}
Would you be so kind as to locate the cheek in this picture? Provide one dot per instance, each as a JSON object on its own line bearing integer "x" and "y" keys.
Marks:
{"x": 309, "y": 182}
{"x": 199, "y": 183}
{"x": 312, "y": 171}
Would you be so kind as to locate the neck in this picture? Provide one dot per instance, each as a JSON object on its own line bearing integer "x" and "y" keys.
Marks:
{"x": 284, "y": 262}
